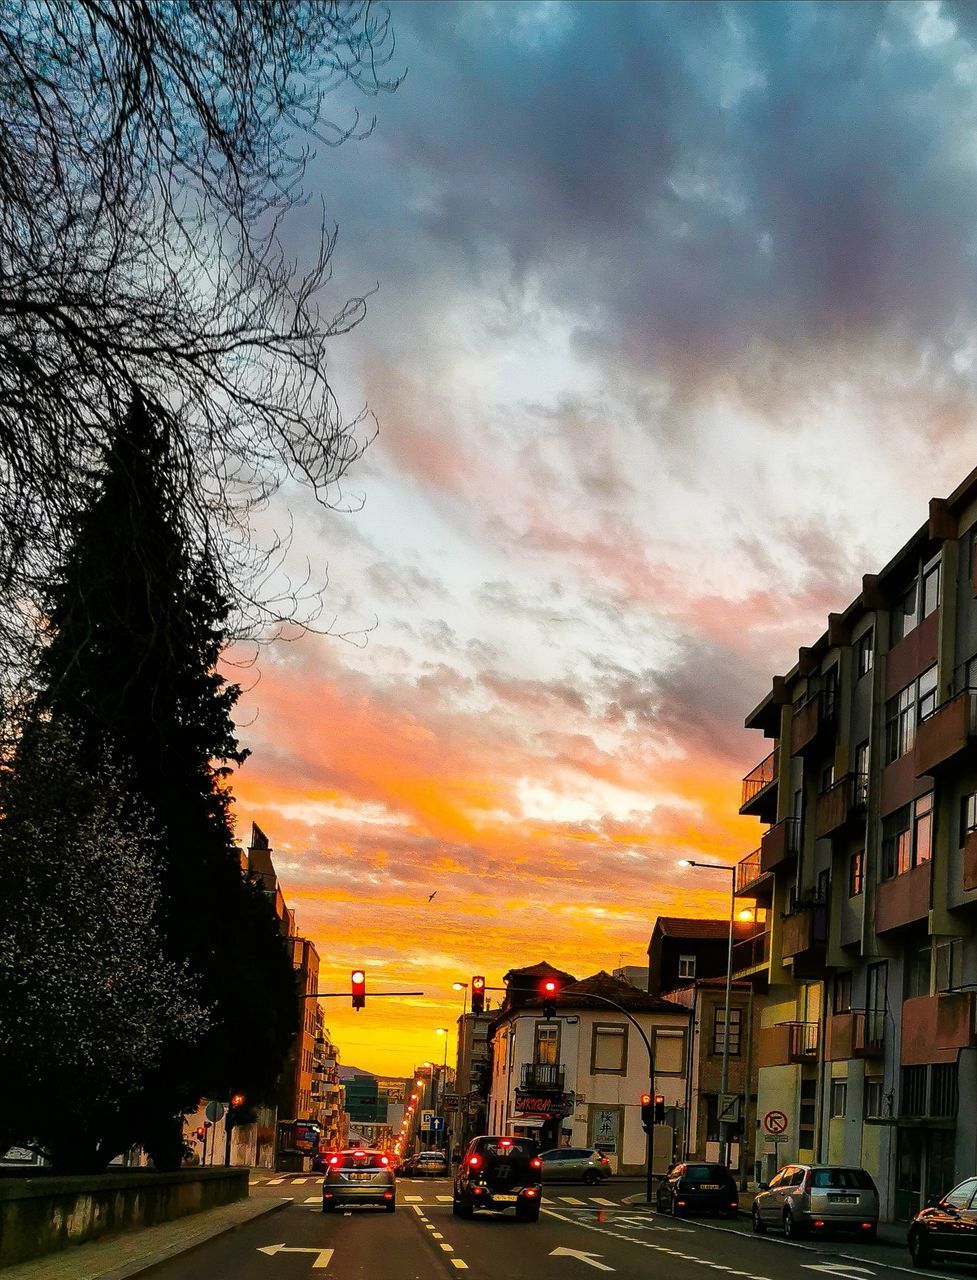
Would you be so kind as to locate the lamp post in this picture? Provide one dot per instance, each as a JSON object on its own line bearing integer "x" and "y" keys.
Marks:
{"x": 441, "y": 1031}
{"x": 724, "y": 1079}
{"x": 462, "y": 986}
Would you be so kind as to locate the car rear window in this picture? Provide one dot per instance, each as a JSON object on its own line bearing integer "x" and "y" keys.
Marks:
{"x": 849, "y": 1179}
{"x": 512, "y": 1146}
{"x": 706, "y": 1172}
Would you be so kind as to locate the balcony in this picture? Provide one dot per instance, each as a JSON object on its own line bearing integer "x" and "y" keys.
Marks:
{"x": 813, "y": 720}
{"x": 751, "y": 880}
{"x": 942, "y": 736}
{"x": 787, "y": 1043}
{"x": 750, "y": 954}
{"x": 969, "y": 870}
{"x": 759, "y": 798}
{"x": 543, "y": 1075}
{"x": 805, "y": 930}
{"x": 935, "y": 1028}
{"x": 842, "y": 804}
{"x": 868, "y": 1035}
{"x": 903, "y": 900}
{"x": 781, "y": 843}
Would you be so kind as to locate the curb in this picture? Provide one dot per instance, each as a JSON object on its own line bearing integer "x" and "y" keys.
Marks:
{"x": 144, "y": 1266}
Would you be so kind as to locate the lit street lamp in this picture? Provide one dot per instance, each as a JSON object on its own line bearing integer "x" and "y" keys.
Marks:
{"x": 724, "y": 1080}
{"x": 462, "y": 986}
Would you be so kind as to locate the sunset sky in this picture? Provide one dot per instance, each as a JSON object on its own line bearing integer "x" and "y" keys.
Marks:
{"x": 673, "y": 340}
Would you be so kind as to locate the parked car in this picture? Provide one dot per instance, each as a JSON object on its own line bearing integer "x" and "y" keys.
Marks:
{"x": 947, "y": 1229}
{"x": 575, "y": 1164}
{"x": 358, "y": 1176}
{"x": 499, "y": 1173}
{"x": 691, "y": 1187}
{"x": 803, "y": 1198}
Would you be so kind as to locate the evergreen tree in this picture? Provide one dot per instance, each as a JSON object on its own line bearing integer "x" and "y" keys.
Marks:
{"x": 136, "y": 626}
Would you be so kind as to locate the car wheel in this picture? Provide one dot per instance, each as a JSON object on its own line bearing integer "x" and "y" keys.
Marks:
{"x": 791, "y": 1229}
{"x": 759, "y": 1226}
{"x": 528, "y": 1215}
{"x": 462, "y": 1210}
{"x": 327, "y": 1208}
{"x": 676, "y": 1211}
{"x": 919, "y": 1250}
{"x": 591, "y": 1177}
{"x": 391, "y": 1206}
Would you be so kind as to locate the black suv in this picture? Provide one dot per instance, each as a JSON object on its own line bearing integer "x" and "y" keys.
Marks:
{"x": 499, "y": 1173}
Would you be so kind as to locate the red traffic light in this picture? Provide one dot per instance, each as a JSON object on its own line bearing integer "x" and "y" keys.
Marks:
{"x": 478, "y": 994}
{"x": 645, "y": 1099}
{"x": 238, "y": 1100}
{"x": 549, "y": 986}
{"x": 201, "y": 1131}
{"x": 358, "y": 988}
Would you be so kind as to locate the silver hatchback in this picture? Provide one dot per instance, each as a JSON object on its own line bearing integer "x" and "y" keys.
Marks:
{"x": 359, "y": 1176}
{"x": 575, "y": 1164}
{"x": 818, "y": 1198}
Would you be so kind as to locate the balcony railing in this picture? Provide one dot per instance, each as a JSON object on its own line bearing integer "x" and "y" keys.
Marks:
{"x": 868, "y": 1033}
{"x": 840, "y": 804}
{"x": 813, "y": 715}
{"x": 945, "y": 733}
{"x": 803, "y": 1043}
{"x": 781, "y": 842}
{"x": 543, "y": 1075}
{"x": 752, "y": 952}
{"x": 748, "y": 871}
{"x": 760, "y": 780}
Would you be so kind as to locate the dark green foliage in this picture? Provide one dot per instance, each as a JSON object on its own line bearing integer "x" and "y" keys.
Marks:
{"x": 136, "y": 628}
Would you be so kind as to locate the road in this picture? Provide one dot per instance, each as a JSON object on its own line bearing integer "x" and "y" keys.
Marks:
{"x": 584, "y": 1233}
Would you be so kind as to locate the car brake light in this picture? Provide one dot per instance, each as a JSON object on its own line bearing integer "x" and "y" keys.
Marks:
{"x": 473, "y": 1162}
{"x": 536, "y": 1163}
{"x": 818, "y": 1222}
{"x": 529, "y": 1191}
{"x": 334, "y": 1159}
{"x": 388, "y": 1195}
{"x": 505, "y": 1142}
{"x": 866, "y": 1226}
{"x": 384, "y": 1160}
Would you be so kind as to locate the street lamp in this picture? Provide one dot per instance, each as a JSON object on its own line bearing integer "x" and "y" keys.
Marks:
{"x": 462, "y": 986}
{"x": 724, "y": 1081}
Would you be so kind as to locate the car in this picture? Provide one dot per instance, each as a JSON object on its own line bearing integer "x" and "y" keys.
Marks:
{"x": 693, "y": 1187}
{"x": 426, "y": 1164}
{"x": 819, "y": 1198}
{"x": 358, "y": 1175}
{"x": 575, "y": 1164}
{"x": 499, "y": 1172}
{"x": 946, "y": 1229}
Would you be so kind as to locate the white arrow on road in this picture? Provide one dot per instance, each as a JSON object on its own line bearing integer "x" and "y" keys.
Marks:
{"x": 844, "y": 1269}
{"x": 321, "y": 1261}
{"x": 589, "y": 1258}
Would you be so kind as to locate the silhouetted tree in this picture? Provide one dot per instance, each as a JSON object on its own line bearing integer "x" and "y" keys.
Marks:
{"x": 135, "y": 621}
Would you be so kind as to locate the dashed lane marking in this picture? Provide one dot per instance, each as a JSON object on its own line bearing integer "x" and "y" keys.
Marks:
{"x": 418, "y": 1210}
{"x": 457, "y": 1262}
{"x": 273, "y": 1182}
{"x": 447, "y": 1247}
{"x": 570, "y": 1200}
{"x": 610, "y": 1204}
{"x": 443, "y": 1199}
{"x": 413, "y": 1199}
{"x": 438, "y": 1235}
{"x": 311, "y": 1200}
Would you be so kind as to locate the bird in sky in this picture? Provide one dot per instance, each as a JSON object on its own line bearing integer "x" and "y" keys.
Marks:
{"x": 431, "y": 896}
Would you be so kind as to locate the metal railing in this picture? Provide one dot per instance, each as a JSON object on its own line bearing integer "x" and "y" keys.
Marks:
{"x": 803, "y": 1039}
{"x": 542, "y": 1075}
{"x": 748, "y": 870}
{"x": 751, "y": 952}
{"x": 763, "y": 776}
{"x": 868, "y": 1033}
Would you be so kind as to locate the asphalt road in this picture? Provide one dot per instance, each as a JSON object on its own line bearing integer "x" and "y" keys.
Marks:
{"x": 583, "y": 1232}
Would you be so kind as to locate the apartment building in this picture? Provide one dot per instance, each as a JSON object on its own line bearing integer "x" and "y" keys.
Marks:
{"x": 863, "y": 957}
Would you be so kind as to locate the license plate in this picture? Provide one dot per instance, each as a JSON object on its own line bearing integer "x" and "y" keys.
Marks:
{"x": 709, "y": 1186}
{"x": 361, "y": 1177}
{"x": 843, "y": 1199}
{"x": 506, "y": 1199}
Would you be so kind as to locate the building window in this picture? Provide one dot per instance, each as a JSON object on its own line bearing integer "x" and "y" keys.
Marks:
{"x": 856, "y": 873}
{"x": 841, "y": 1000}
{"x": 547, "y": 1048}
{"x": 968, "y": 815}
{"x": 609, "y": 1050}
{"x": 904, "y": 613}
{"x": 904, "y": 712}
{"x": 862, "y": 760}
{"x": 839, "y": 1098}
{"x": 719, "y": 1031}
{"x": 669, "y": 1047}
{"x": 931, "y": 587}
{"x": 827, "y": 777}
{"x": 865, "y": 652}
{"x": 873, "y": 1097}
{"x": 686, "y": 967}
{"x": 907, "y": 837}
{"x": 944, "y": 1097}
{"x": 949, "y": 964}
{"x": 919, "y": 963}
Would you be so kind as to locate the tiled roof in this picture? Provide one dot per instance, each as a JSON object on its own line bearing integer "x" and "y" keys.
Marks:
{"x": 541, "y": 970}
{"x": 683, "y": 927}
{"x": 611, "y": 988}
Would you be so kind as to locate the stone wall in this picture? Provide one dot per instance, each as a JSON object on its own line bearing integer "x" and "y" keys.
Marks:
{"x": 42, "y": 1214}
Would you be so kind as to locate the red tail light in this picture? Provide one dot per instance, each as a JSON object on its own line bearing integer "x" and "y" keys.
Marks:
{"x": 384, "y": 1160}
{"x": 530, "y": 1191}
{"x": 474, "y": 1162}
{"x": 505, "y": 1142}
{"x": 334, "y": 1160}
{"x": 536, "y": 1162}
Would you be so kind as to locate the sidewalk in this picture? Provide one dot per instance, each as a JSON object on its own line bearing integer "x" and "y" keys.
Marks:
{"x": 893, "y": 1233}
{"x": 133, "y": 1252}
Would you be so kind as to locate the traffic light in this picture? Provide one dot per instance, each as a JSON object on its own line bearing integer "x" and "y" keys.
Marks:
{"x": 201, "y": 1132}
{"x": 647, "y": 1111}
{"x": 478, "y": 994}
{"x": 659, "y": 1108}
{"x": 358, "y": 984}
{"x": 549, "y": 990}
{"x": 238, "y": 1112}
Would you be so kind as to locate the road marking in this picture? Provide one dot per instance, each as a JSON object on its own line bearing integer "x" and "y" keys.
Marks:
{"x": 591, "y": 1259}
{"x": 418, "y": 1210}
{"x": 312, "y": 1200}
{"x": 321, "y": 1260}
{"x": 444, "y": 1199}
{"x": 570, "y": 1200}
{"x": 429, "y": 1225}
{"x": 437, "y": 1234}
{"x": 447, "y": 1248}
{"x": 348, "y": 1213}
{"x": 298, "y": 1182}
{"x": 457, "y": 1262}
{"x": 611, "y": 1204}
{"x": 413, "y": 1199}
{"x": 273, "y": 1182}
{"x": 838, "y": 1269}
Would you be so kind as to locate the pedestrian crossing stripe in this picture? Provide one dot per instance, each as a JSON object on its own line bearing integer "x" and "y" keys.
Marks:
{"x": 444, "y": 1199}
{"x": 413, "y": 1199}
{"x": 298, "y": 1182}
{"x": 570, "y": 1200}
{"x": 609, "y": 1204}
{"x": 312, "y": 1200}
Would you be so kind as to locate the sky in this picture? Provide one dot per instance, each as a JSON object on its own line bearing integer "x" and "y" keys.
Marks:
{"x": 670, "y": 338}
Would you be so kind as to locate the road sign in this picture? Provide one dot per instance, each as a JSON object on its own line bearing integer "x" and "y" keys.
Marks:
{"x": 729, "y": 1108}
{"x": 214, "y": 1111}
{"x": 426, "y": 1118}
{"x": 775, "y": 1122}
{"x": 437, "y": 1124}
{"x": 321, "y": 1260}
{"x": 591, "y": 1259}
{"x": 449, "y": 1102}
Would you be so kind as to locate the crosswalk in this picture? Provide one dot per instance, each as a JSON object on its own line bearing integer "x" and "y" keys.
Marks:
{"x": 551, "y": 1197}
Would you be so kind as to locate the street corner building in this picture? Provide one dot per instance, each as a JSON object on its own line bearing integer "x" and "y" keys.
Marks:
{"x": 863, "y": 957}
{"x": 576, "y": 1078}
